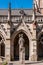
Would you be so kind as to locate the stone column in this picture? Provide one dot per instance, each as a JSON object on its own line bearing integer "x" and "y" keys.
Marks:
{"x": 7, "y": 50}
{"x": 34, "y": 56}
{"x": 30, "y": 50}
{"x": 12, "y": 51}
{"x": 35, "y": 51}
{"x": 8, "y": 41}
{"x": 8, "y": 36}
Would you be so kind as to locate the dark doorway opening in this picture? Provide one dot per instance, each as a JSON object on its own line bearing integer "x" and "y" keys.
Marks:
{"x": 40, "y": 47}
{"x": 3, "y": 49}
{"x": 16, "y": 49}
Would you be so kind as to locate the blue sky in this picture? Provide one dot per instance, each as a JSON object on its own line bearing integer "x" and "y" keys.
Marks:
{"x": 16, "y": 3}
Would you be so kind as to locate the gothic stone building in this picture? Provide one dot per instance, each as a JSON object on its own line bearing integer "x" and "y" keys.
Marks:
{"x": 21, "y": 39}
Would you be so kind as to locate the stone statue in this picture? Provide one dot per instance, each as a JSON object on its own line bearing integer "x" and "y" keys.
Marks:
{"x": 21, "y": 48}
{"x": 21, "y": 40}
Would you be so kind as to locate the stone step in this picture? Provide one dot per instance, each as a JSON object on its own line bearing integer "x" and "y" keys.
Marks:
{"x": 29, "y": 63}
{"x": 26, "y": 64}
{"x": 15, "y": 64}
{"x": 35, "y": 64}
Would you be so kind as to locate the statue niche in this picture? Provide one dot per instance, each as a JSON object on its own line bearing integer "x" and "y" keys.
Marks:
{"x": 21, "y": 48}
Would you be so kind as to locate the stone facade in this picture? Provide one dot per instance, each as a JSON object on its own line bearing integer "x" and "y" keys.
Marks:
{"x": 13, "y": 22}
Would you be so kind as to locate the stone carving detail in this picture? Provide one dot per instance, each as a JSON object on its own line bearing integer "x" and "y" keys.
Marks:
{"x": 21, "y": 48}
{"x": 21, "y": 41}
{"x": 2, "y": 28}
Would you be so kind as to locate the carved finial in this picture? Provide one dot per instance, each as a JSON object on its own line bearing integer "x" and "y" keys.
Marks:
{"x": 9, "y": 13}
{"x": 20, "y": 35}
{"x": 9, "y": 6}
{"x": 22, "y": 12}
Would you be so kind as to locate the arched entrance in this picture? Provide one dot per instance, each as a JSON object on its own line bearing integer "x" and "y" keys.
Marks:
{"x": 40, "y": 47}
{"x": 2, "y": 47}
{"x": 16, "y": 46}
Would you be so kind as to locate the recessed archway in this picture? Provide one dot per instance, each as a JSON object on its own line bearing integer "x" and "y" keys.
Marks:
{"x": 16, "y": 46}
{"x": 2, "y": 46}
{"x": 40, "y": 47}
{"x": 2, "y": 49}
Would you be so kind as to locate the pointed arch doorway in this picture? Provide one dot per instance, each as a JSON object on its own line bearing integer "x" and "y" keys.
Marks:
{"x": 16, "y": 46}
{"x": 40, "y": 47}
{"x": 2, "y": 47}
